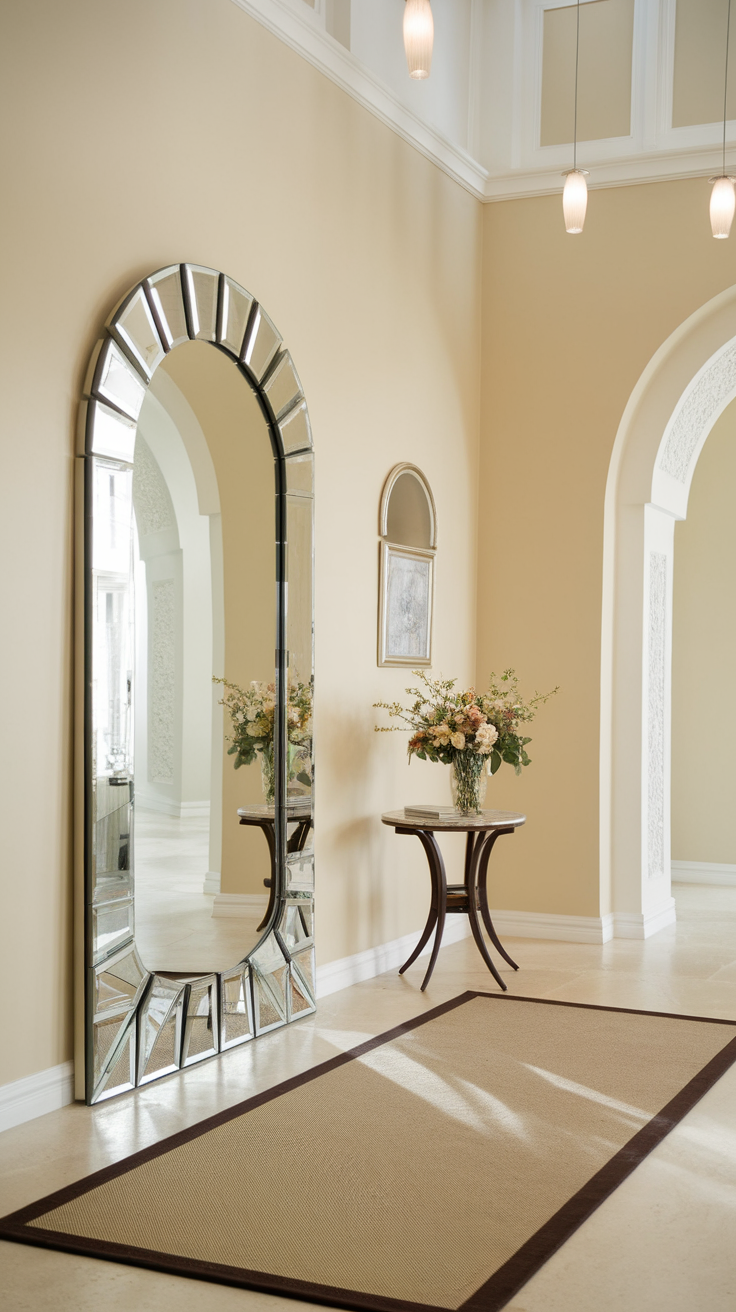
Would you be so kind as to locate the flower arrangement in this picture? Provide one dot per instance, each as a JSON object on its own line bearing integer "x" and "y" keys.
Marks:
{"x": 469, "y": 731}
{"x": 252, "y": 712}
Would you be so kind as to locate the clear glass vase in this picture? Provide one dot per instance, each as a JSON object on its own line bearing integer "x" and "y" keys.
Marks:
{"x": 468, "y": 781}
{"x": 268, "y": 774}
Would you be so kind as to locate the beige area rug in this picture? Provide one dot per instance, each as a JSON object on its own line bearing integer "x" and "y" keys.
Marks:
{"x": 436, "y": 1166}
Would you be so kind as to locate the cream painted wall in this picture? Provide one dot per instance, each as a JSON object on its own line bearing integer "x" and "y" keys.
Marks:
{"x": 704, "y": 658}
{"x": 569, "y": 325}
{"x": 182, "y": 130}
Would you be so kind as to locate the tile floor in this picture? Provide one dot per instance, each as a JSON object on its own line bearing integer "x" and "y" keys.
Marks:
{"x": 175, "y": 928}
{"x": 666, "y": 1239}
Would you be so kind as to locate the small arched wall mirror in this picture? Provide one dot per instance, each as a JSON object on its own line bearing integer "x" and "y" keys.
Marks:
{"x": 195, "y": 764}
{"x": 408, "y": 531}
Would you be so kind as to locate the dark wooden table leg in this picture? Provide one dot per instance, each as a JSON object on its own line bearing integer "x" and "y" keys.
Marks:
{"x": 469, "y": 848}
{"x": 439, "y": 881}
{"x": 298, "y": 839}
{"x": 483, "y": 894}
{"x": 431, "y": 922}
{"x": 472, "y": 891}
{"x": 438, "y": 906}
{"x": 268, "y": 830}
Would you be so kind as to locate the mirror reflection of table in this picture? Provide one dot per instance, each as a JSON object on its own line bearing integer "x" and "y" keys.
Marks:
{"x": 299, "y": 815}
{"x": 469, "y": 898}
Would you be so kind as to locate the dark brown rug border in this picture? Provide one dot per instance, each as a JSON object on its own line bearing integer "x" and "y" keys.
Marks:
{"x": 493, "y": 1294}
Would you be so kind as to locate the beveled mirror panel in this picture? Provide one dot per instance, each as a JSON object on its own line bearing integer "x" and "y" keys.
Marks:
{"x": 195, "y": 762}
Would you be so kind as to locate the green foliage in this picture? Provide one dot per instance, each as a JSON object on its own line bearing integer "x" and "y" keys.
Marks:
{"x": 445, "y": 723}
{"x": 252, "y": 712}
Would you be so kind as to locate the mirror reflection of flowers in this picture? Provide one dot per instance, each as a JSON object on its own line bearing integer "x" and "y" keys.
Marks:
{"x": 468, "y": 730}
{"x": 252, "y": 711}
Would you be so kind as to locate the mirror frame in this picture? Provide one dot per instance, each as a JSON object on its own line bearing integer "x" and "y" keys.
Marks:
{"x": 122, "y": 1008}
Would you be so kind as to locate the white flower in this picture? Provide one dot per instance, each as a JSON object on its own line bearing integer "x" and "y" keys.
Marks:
{"x": 485, "y": 737}
{"x": 458, "y": 740}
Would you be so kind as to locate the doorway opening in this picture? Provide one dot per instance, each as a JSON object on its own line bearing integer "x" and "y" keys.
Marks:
{"x": 678, "y": 401}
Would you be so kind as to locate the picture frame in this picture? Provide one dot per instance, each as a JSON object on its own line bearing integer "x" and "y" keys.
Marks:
{"x": 405, "y": 605}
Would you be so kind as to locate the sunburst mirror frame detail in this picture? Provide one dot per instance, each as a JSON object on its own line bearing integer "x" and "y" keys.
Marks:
{"x": 132, "y": 1024}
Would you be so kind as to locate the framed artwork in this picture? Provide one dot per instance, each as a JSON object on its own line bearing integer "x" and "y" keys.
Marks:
{"x": 406, "y": 570}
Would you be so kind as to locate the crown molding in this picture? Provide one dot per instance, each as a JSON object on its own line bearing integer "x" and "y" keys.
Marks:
{"x": 304, "y": 34}
{"x": 666, "y": 166}
{"x": 302, "y": 29}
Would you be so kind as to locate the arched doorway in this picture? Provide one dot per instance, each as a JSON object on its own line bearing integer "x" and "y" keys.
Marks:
{"x": 682, "y": 392}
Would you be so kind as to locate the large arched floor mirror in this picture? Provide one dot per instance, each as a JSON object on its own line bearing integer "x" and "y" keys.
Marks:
{"x": 195, "y": 765}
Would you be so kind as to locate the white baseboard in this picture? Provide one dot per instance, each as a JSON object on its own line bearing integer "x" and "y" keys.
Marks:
{"x": 565, "y": 929}
{"x": 146, "y": 801}
{"x": 638, "y": 924}
{"x": 703, "y": 872}
{"x": 194, "y": 811}
{"x": 584, "y": 929}
{"x": 211, "y": 885}
{"x": 35, "y": 1095}
{"x": 336, "y": 975}
{"x": 239, "y": 904}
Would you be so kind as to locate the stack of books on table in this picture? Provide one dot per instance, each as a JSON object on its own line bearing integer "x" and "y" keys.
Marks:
{"x": 429, "y": 812}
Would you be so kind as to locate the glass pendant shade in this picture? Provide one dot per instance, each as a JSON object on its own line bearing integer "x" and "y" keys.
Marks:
{"x": 722, "y": 205}
{"x": 575, "y": 200}
{"x": 418, "y": 37}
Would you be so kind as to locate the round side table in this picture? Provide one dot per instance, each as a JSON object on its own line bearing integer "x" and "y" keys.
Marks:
{"x": 469, "y": 898}
{"x": 298, "y": 813}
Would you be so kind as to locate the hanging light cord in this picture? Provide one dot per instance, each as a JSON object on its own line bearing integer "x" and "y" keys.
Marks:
{"x": 725, "y": 84}
{"x": 577, "y": 59}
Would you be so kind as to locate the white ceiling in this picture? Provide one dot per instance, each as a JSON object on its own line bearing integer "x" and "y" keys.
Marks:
{"x": 479, "y": 114}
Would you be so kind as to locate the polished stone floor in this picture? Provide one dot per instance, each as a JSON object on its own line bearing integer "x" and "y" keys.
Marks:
{"x": 663, "y": 1240}
{"x": 175, "y": 927}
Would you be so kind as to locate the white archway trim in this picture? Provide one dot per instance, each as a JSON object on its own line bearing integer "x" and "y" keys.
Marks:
{"x": 682, "y": 392}
{"x": 703, "y": 401}
{"x": 176, "y": 406}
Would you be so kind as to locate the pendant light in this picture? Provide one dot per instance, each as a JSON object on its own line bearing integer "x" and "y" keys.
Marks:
{"x": 575, "y": 193}
{"x": 723, "y": 197}
{"x": 418, "y": 37}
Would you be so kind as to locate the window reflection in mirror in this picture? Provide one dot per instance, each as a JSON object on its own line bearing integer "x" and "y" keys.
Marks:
{"x": 205, "y": 608}
{"x": 113, "y": 639}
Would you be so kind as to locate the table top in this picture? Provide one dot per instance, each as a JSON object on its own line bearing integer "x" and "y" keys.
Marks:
{"x": 450, "y": 820}
{"x": 299, "y": 808}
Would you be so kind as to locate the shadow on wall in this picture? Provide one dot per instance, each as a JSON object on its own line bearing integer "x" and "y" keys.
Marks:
{"x": 369, "y": 901}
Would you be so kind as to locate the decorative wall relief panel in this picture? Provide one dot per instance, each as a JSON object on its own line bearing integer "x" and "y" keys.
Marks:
{"x": 708, "y": 396}
{"x": 154, "y": 511}
{"x": 162, "y": 708}
{"x": 657, "y": 649}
